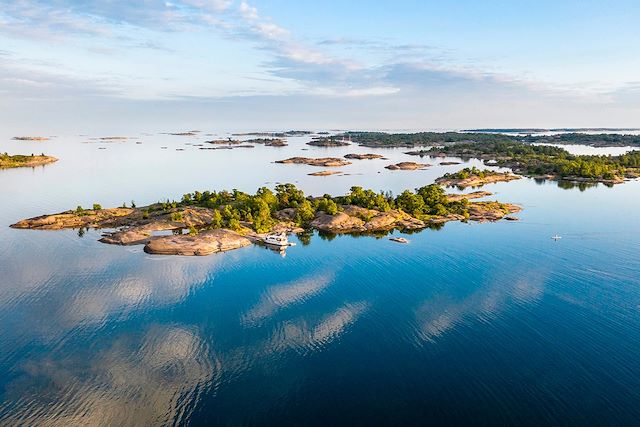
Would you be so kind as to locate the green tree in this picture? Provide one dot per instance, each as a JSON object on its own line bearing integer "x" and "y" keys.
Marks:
{"x": 304, "y": 213}
{"x": 234, "y": 224}
{"x": 327, "y": 205}
{"x": 410, "y": 203}
{"x": 262, "y": 221}
{"x": 216, "y": 221}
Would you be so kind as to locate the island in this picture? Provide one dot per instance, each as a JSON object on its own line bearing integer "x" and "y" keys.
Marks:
{"x": 322, "y": 161}
{"x": 206, "y": 222}
{"x": 189, "y": 133}
{"x": 20, "y": 160}
{"x": 294, "y": 133}
{"x": 407, "y": 166}
{"x": 592, "y": 140}
{"x": 112, "y": 138}
{"x": 330, "y": 141}
{"x": 228, "y": 141}
{"x": 30, "y": 138}
{"x": 268, "y": 142}
{"x": 223, "y": 147}
{"x": 387, "y": 140}
{"x": 547, "y": 162}
{"x": 474, "y": 177}
{"x": 367, "y": 156}
{"x": 391, "y": 140}
{"x": 324, "y": 173}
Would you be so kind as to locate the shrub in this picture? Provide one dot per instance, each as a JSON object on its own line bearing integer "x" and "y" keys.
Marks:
{"x": 234, "y": 224}
{"x": 176, "y": 216}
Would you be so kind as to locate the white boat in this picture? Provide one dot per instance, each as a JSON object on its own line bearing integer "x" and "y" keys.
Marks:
{"x": 556, "y": 237}
{"x": 280, "y": 240}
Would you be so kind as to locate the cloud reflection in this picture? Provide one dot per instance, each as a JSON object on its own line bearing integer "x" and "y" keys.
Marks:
{"x": 151, "y": 379}
{"x": 279, "y": 297}
{"x": 304, "y": 337}
{"x": 442, "y": 313}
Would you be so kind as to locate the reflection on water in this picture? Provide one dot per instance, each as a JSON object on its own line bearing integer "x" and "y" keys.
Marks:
{"x": 151, "y": 378}
{"x": 299, "y": 335}
{"x": 282, "y": 296}
{"x": 438, "y": 315}
{"x": 491, "y": 323}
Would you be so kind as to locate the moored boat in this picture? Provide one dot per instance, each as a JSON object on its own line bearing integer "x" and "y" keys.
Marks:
{"x": 276, "y": 239}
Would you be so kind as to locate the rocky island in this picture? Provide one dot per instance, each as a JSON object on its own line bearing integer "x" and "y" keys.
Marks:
{"x": 329, "y": 141}
{"x": 322, "y": 161}
{"x": 228, "y": 141}
{"x": 20, "y": 160}
{"x": 407, "y": 166}
{"x": 207, "y": 222}
{"x": 268, "y": 142}
{"x": 324, "y": 173}
{"x": 474, "y": 177}
{"x": 367, "y": 156}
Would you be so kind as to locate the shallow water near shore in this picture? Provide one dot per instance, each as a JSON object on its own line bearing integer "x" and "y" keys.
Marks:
{"x": 473, "y": 323}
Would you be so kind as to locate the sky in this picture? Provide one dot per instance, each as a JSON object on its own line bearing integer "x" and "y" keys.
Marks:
{"x": 74, "y": 66}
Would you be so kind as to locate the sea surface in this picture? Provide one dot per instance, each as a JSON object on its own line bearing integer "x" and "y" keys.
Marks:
{"x": 470, "y": 324}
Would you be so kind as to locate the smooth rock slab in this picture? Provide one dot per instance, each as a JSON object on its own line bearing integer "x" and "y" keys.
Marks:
{"x": 204, "y": 243}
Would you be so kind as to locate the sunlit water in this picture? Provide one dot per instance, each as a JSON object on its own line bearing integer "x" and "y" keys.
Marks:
{"x": 470, "y": 324}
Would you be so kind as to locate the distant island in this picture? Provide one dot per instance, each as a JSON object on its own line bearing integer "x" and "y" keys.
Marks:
{"x": 367, "y": 156}
{"x": 268, "y": 142}
{"x": 547, "y": 162}
{"x": 220, "y": 221}
{"x": 31, "y": 138}
{"x": 541, "y": 130}
{"x": 407, "y": 166}
{"x": 474, "y": 177}
{"x": 383, "y": 139}
{"x": 388, "y": 140}
{"x": 329, "y": 141}
{"x": 324, "y": 173}
{"x": 277, "y": 134}
{"x": 20, "y": 160}
{"x": 322, "y": 161}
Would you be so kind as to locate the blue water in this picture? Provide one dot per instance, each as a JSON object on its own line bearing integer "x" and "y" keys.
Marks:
{"x": 471, "y": 324}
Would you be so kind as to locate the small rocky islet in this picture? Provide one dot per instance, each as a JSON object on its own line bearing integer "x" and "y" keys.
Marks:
{"x": 407, "y": 166}
{"x": 31, "y": 138}
{"x": 322, "y": 161}
{"x": 366, "y": 156}
{"x": 324, "y": 173}
{"x": 20, "y": 160}
{"x": 222, "y": 221}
